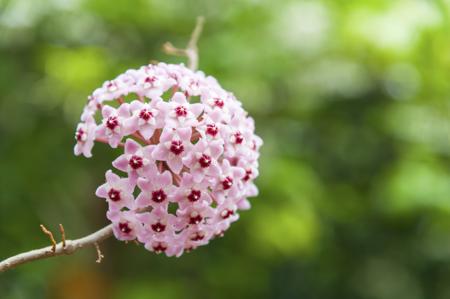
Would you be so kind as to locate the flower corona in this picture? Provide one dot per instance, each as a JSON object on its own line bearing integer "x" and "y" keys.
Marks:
{"x": 189, "y": 161}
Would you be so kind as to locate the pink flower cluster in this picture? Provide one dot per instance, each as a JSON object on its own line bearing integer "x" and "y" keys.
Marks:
{"x": 190, "y": 156}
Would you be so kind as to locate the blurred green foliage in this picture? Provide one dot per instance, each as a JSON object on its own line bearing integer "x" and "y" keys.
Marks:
{"x": 352, "y": 99}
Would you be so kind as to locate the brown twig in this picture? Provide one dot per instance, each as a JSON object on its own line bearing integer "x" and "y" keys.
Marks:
{"x": 191, "y": 51}
{"x": 100, "y": 256}
{"x": 170, "y": 49}
{"x": 63, "y": 235}
{"x": 139, "y": 136}
{"x": 50, "y": 235}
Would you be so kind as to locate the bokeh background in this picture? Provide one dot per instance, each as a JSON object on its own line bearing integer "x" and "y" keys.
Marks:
{"x": 351, "y": 97}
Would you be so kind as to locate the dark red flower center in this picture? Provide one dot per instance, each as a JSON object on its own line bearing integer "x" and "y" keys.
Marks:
{"x": 194, "y": 195}
{"x": 238, "y": 138}
{"x": 193, "y": 83}
{"x": 181, "y": 111}
{"x": 176, "y": 147}
{"x": 159, "y": 195}
{"x": 136, "y": 162}
{"x": 160, "y": 247}
{"x": 158, "y": 227}
{"x": 227, "y": 183}
{"x": 212, "y": 130}
{"x": 114, "y": 194}
{"x": 150, "y": 79}
{"x": 226, "y": 213}
{"x": 248, "y": 173}
{"x": 79, "y": 134}
{"x": 111, "y": 86}
{"x": 254, "y": 145}
{"x": 124, "y": 227}
{"x": 204, "y": 161}
{"x": 218, "y": 103}
{"x": 145, "y": 114}
{"x": 197, "y": 236}
{"x": 188, "y": 249}
{"x": 195, "y": 218}
{"x": 112, "y": 122}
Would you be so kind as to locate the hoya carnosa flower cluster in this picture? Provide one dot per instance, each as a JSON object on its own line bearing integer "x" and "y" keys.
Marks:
{"x": 190, "y": 156}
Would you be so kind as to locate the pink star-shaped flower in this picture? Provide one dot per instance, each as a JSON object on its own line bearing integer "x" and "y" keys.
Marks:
{"x": 125, "y": 225}
{"x": 230, "y": 180}
{"x": 145, "y": 118}
{"x": 158, "y": 225}
{"x": 191, "y": 193}
{"x": 211, "y": 127}
{"x": 117, "y": 191}
{"x": 136, "y": 160}
{"x": 157, "y": 190}
{"x": 195, "y": 215}
{"x": 169, "y": 246}
{"x": 202, "y": 160}
{"x": 112, "y": 126}
{"x": 85, "y": 136}
{"x": 179, "y": 112}
{"x": 174, "y": 145}
{"x": 152, "y": 82}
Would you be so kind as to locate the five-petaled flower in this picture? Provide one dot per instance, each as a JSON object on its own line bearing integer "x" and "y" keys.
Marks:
{"x": 180, "y": 113}
{"x": 157, "y": 190}
{"x": 145, "y": 119}
{"x": 112, "y": 126}
{"x": 85, "y": 136}
{"x": 174, "y": 145}
{"x": 118, "y": 191}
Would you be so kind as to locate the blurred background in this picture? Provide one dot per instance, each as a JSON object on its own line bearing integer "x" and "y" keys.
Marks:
{"x": 351, "y": 97}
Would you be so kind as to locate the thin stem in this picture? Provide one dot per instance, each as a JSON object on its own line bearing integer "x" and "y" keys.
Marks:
{"x": 63, "y": 235}
{"x": 139, "y": 136}
{"x": 191, "y": 51}
{"x": 100, "y": 255}
{"x": 50, "y": 235}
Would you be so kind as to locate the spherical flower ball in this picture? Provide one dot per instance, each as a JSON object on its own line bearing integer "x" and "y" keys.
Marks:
{"x": 190, "y": 156}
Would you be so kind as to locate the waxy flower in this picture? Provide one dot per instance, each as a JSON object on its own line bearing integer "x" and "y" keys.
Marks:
{"x": 85, "y": 136}
{"x": 136, "y": 160}
{"x": 156, "y": 189}
{"x": 145, "y": 118}
{"x": 174, "y": 145}
{"x": 189, "y": 161}
{"x": 112, "y": 126}
{"x": 229, "y": 181}
{"x": 202, "y": 160}
{"x": 126, "y": 226}
{"x": 152, "y": 82}
{"x": 118, "y": 191}
{"x": 191, "y": 193}
{"x": 179, "y": 113}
